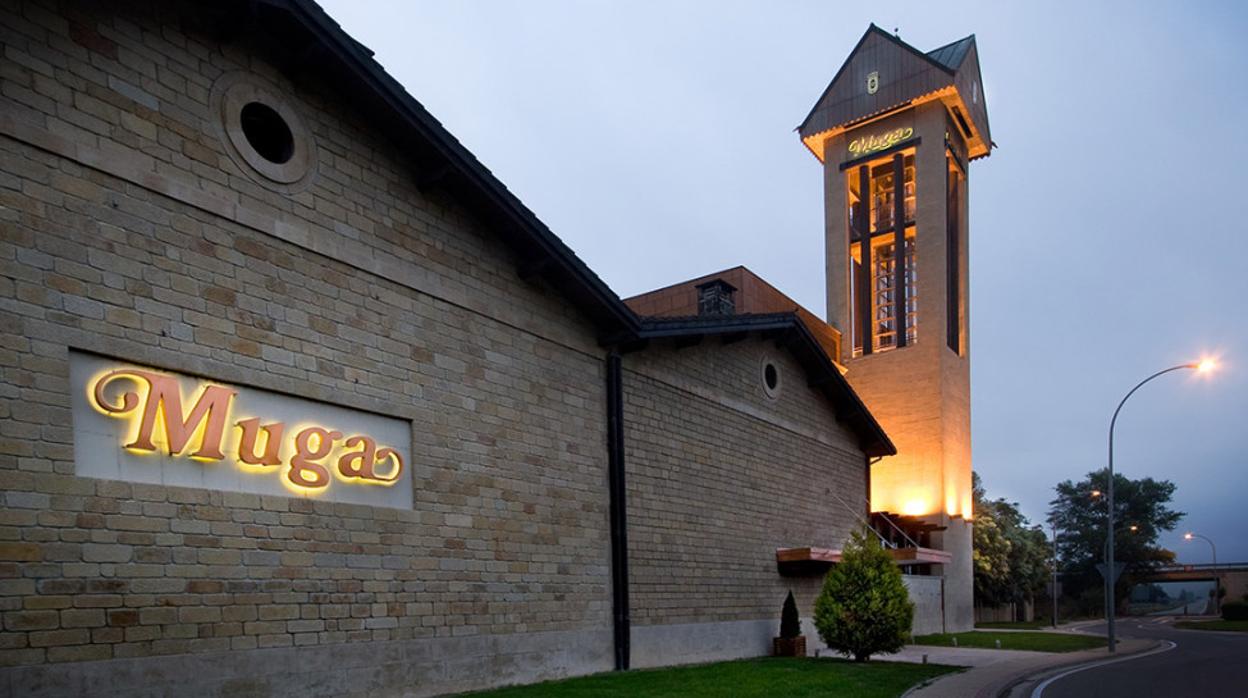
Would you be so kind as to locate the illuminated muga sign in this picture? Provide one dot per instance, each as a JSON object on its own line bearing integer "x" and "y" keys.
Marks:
{"x": 141, "y": 424}
{"x": 865, "y": 145}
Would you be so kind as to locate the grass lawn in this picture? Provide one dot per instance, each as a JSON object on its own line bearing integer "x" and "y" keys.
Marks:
{"x": 792, "y": 678}
{"x": 1240, "y": 626}
{"x": 1017, "y": 625}
{"x": 1036, "y": 642}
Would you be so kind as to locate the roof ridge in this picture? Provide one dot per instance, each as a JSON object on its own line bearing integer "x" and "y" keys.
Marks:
{"x": 896, "y": 39}
{"x": 970, "y": 36}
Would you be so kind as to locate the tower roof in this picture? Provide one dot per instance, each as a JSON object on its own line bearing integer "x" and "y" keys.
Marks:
{"x": 883, "y": 74}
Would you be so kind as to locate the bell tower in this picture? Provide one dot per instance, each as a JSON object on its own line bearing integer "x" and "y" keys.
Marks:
{"x": 896, "y": 131}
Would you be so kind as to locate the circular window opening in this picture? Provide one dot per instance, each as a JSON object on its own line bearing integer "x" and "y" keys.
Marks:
{"x": 267, "y": 132}
{"x": 771, "y": 377}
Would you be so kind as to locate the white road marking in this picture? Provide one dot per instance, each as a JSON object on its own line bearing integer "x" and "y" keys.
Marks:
{"x": 1038, "y": 691}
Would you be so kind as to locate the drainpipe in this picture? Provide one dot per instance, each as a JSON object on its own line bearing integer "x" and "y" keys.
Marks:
{"x": 619, "y": 511}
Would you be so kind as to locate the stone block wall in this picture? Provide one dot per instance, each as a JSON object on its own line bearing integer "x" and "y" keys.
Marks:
{"x": 126, "y": 230}
{"x": 719, "y": 477}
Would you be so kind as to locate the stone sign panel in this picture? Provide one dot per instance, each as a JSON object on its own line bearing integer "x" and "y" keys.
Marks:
{"x": 146, "y": 425}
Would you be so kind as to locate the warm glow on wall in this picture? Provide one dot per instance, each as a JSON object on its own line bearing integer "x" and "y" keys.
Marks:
{"x": 916, "y": 507}
{"x": 310, "y": 456}
{"x": 916, "y": 487}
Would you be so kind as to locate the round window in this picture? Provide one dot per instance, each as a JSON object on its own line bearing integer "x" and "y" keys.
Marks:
{"x": 263, "y": 133}
{"x": 267, "y": 132}
{"x": 771, "y": 378}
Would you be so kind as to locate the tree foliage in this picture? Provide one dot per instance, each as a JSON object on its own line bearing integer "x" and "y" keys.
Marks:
{"x": 864, "y": 608}
{"x": 1141, "y": 512}
{"x": 1010, "y": 555}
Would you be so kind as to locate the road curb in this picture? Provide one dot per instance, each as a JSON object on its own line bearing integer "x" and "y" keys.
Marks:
{"x": 1007, "y": 690}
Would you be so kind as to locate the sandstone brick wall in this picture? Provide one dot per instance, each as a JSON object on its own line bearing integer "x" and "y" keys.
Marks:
{"x": 125, "y": 230}
{"x": 919, "y": 394}
{"x": 720, "y": 475}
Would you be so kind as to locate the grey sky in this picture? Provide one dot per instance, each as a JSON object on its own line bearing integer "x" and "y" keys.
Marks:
{"x": 1108, "y": 235}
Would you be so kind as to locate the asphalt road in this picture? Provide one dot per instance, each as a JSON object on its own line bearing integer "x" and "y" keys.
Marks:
{"x": 1202, "y": 663}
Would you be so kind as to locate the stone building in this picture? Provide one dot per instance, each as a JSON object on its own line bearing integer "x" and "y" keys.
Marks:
{"x": 895, "y": 131}
{"x": 299, "y": 399}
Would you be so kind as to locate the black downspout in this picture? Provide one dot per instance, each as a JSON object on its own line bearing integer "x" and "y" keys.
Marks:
{"x": 868, "y": 497}
{"x": 619, "y": 511}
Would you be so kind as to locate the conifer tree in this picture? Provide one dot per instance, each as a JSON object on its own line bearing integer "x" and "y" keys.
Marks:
{"x": 864, "y": 608}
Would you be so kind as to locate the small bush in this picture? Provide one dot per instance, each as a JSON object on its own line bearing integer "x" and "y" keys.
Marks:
{"x": 790, "y": 623}
{"x": 864, "y": 608}
{"x": 1235, "y": 610}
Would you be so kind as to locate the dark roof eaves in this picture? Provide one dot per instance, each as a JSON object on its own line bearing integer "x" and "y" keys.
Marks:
{"x": 361, "y": 59}
{"x": 878, "y": 443}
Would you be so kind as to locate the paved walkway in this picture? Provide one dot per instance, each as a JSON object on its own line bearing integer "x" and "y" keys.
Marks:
{"x": 991, "y": 672}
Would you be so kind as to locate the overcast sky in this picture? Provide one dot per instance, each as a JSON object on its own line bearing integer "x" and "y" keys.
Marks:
{"x": 1108, "y": 234}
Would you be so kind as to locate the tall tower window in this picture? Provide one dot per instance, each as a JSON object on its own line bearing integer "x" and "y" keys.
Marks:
{"x": 953, "y": 280}
{"x": 883, "y": 299}
{"x": 884, "y": 192}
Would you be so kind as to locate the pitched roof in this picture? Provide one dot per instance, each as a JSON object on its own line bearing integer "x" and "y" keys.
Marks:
{"x": 951, "y": 55}
{"x": 793, "y": 334}
{"x": 308, "y": 34}
{"x": 906, "y": 76}
{"x": 756, "y": 295}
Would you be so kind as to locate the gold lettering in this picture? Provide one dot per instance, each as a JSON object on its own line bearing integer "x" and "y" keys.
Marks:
{"x": 358, "y": 463}
{"x": 363, "y": 463}
{"x": 155, "y": 401}
{"x": 165, "y": 398}
{"x": 272, "y": 445}
{"x": 873, "y": 143}
{"x": 384, "y": 454}
{"x": 303, "y": 462}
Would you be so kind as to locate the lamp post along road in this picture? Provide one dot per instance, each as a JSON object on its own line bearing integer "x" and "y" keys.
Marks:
{"x": 1217, "y": 581}
{"x": 1053, "y": 591}
{"x": 1110, "y": 608}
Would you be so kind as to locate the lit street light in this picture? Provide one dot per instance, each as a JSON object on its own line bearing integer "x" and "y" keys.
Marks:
{"x": 1203, "y": 366}
{"x": 1217, "y": 583}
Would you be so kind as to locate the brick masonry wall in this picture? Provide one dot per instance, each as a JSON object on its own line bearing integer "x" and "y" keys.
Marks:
{"x": 126, "y": 230}
{"x": 720, "y": 475}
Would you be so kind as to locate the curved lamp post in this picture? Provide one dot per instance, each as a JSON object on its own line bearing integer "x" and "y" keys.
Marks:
{"x": 1110, "y": 610}
{"x": 1217, "y": 582}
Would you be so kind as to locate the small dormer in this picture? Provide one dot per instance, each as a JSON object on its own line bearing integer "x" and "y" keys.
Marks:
{"x": 715, "y": 297}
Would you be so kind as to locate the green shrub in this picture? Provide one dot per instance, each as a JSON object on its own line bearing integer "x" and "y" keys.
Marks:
{"x": 1235, "y": 610}
{"x": 790, "y": 624}
{"x": 864, "y": 608}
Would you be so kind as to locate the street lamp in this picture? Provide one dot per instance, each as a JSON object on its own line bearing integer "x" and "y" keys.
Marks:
{"x": 1202, "y": 366}
{"x": 1217, "y": 583}
{"x": 1053, "y": 591}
